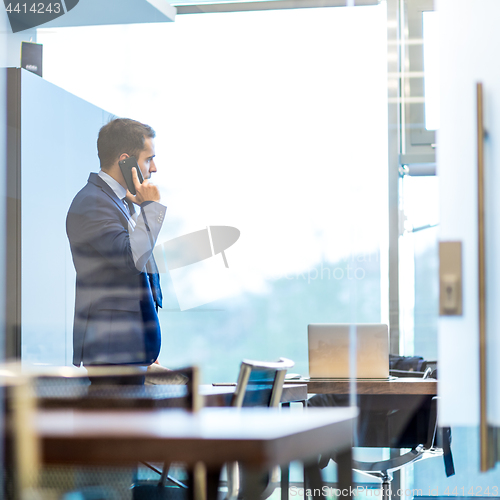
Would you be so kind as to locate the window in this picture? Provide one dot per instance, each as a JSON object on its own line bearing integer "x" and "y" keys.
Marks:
{"x": 274, "y": 123}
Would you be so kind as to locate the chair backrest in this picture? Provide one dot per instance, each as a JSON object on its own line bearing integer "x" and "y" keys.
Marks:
{"x": 117, "y": 387}
{"x": 411, "y": 366}
{"x": 260, "y": 383}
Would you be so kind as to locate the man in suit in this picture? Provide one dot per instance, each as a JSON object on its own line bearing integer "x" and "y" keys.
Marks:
{"x": 117, "y": 284}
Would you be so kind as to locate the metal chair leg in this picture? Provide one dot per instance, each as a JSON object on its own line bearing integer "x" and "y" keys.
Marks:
{"x": 233, "y": 481}
{"x": 386, "y": 485}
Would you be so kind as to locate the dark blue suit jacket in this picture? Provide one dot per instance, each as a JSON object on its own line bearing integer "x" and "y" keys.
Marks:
{"x": 115, "y": 314}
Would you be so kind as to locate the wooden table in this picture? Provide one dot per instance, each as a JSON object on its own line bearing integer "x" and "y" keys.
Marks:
{"x": 258, "y": 438}
{"x": 400, "y": 386}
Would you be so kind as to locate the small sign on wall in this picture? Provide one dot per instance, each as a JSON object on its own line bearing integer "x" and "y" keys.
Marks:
{"x": 450, "y": 278}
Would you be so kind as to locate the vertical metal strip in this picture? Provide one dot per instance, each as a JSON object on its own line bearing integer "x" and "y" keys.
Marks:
{"x": 483, "y": 434}
{"x": 13, "y": 204}
{"x": 394, "y": 145}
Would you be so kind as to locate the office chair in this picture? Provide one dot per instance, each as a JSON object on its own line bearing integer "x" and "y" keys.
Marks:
{"x": 28, "y": 388}
{"x": 384, "y": 469}
{"x": 259, "y": 384}
{"x": 116, "y": 387}
{"x": 424, "y": 369}
{"x": 121, "y": 387}
{"x": 158, "y": 489}
{"x": 403, "y": 421}
{"x": 437, "y": 442}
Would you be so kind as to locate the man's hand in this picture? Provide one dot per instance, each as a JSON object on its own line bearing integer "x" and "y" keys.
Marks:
{"x": 145, "y": 191}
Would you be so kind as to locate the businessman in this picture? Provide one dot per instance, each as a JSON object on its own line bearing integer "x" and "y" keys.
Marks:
{"x": 112, "y": 234}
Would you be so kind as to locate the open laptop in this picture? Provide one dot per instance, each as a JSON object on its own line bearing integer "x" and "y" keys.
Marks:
{"x": 329, "y": 351}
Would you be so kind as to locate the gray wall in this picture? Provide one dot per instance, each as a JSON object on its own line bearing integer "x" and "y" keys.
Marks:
{"x": 58, "y": 151}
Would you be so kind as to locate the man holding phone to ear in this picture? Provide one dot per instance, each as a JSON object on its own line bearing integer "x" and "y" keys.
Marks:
{"x": 117, "y": 283}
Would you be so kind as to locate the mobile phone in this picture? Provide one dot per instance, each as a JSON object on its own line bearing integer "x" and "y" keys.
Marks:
{"x": 126, "y": 166}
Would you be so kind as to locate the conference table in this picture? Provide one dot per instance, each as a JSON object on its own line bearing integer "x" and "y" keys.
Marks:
{"x": 393, "y": 386}
{"x": 257, "y": 438}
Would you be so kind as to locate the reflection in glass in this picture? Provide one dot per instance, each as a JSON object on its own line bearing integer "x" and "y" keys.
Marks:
{"x": 431, "y": 69}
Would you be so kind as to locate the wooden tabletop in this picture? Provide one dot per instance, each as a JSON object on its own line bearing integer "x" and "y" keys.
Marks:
{"x": 258, "y": 437}
{"x": 398, "y": 386}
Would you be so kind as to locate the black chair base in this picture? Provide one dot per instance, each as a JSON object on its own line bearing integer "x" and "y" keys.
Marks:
{"x": 150, "y": 490}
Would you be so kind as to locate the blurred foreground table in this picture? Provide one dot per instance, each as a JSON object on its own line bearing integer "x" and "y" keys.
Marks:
{"x": 258, "y": 438}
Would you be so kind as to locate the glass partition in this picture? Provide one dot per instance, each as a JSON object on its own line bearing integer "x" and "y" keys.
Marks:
{"x": 419, "y": 263}
{"x": 274, "y": 124}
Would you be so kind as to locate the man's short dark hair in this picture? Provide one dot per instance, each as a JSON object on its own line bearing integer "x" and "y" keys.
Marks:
{"x": 121, "y": 136}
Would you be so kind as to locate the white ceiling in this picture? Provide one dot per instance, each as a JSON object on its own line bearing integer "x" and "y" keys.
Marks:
{"x": 103, "y": 12}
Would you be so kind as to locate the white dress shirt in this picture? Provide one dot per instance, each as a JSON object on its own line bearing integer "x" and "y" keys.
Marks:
{"x": 141, "y": 239}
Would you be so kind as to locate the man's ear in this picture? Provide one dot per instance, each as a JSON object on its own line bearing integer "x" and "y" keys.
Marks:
{"x": 123, "y": 156}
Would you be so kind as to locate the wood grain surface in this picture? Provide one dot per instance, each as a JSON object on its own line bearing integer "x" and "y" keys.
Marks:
{"x": 255, "y": 436}
{"x": 383, "y": 387}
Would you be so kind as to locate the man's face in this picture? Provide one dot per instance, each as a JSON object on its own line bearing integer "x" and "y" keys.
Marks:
{"x": 146, "y": 158}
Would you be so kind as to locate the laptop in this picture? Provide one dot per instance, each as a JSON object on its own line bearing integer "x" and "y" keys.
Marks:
{"x": 329, "y": 351}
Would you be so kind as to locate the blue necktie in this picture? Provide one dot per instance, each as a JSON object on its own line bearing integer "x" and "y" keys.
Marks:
{"x": 152, "y": 268}
{"x": 154, "y": 281}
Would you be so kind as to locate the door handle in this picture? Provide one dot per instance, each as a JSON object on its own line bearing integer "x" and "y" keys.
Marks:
{"x": 486, "y": 461}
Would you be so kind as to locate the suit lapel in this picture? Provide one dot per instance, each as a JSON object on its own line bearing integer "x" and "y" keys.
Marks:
{"x": 95, "y": 179}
